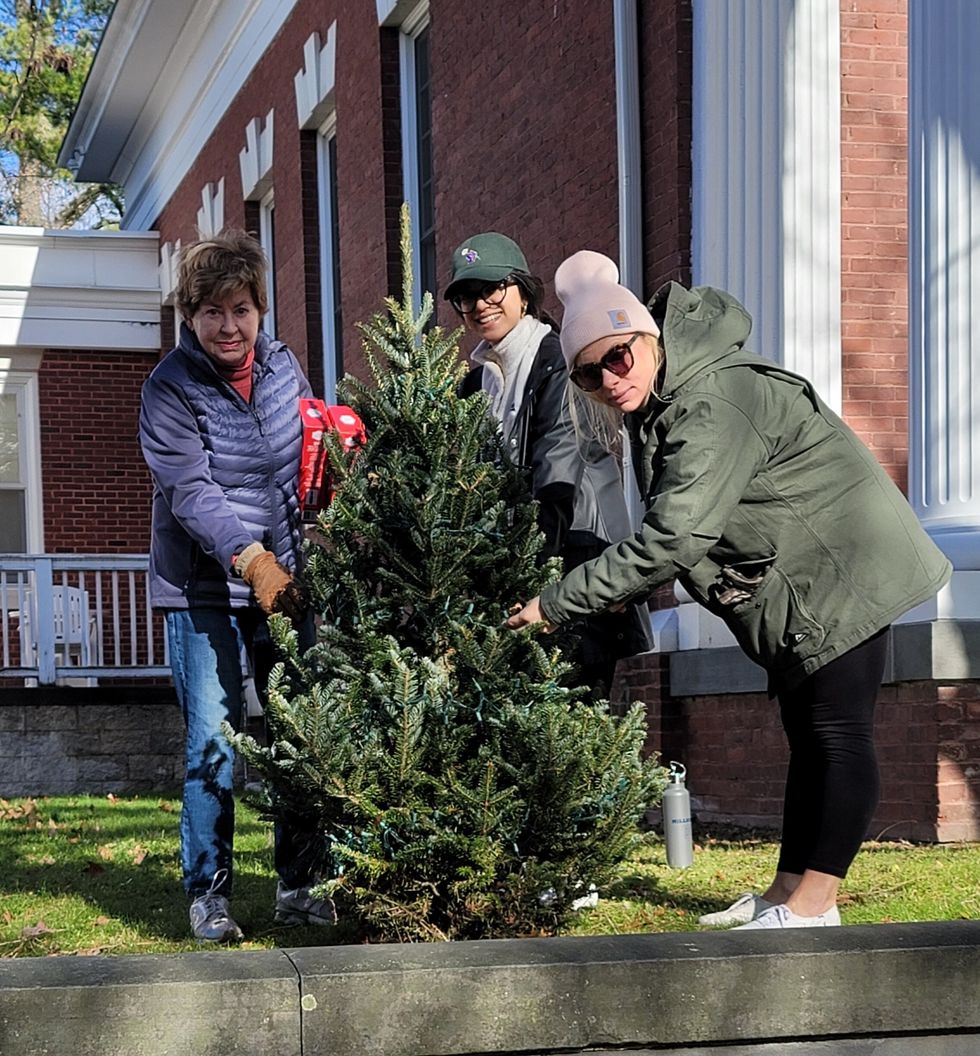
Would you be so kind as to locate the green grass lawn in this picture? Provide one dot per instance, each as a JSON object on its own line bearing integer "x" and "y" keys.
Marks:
{"x": 86, "y": 875}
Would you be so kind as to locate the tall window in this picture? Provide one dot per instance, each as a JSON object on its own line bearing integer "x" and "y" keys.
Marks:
{"x": 333, "y": 352}
{"x": 20, "y": 484}
{"x": 417, "y": 146}
{"x": 267, "y": 236}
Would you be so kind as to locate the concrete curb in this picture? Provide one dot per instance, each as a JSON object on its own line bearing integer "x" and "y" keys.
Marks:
{"x": 913, "y": 988}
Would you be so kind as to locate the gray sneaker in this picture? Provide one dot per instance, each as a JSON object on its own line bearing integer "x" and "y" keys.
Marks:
{"x": 299, "y": 907}
{"x": 211, "y": 920}
{"x": 745, "y": 908}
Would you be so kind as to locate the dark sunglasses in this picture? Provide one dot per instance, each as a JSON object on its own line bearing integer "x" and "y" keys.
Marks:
{"x": 618, "y": 360}
{"x": 491, "y": 292}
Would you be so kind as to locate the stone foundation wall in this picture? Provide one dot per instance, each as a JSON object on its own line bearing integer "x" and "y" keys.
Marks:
{"x": 90, "y": 740}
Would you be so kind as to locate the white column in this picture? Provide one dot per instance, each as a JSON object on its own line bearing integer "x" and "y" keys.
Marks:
{"x": 944, "y": 274}
{"x": 766, "y": 200}
{"x": 766, "y": 196}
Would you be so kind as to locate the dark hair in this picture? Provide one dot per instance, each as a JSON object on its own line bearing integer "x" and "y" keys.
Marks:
{"x": 218, "y": 266}
{"x": 532, "y": 293}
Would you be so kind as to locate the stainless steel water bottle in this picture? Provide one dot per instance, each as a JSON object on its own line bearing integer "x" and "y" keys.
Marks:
{"x": 677, "y": 819}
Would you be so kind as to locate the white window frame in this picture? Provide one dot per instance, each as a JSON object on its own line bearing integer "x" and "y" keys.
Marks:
{"x": 267, "y": 227}
{"x": 23, "y": 385}
{"x": 409, "y": 31}
{"x": 329, "y": 296}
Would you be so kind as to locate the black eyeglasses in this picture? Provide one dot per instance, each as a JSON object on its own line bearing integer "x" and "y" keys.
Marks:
{"x": 618, "y": 360}
{"x": 491, "y": 292}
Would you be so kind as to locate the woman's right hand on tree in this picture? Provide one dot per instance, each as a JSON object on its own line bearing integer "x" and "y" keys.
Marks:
{"x": 525, "y": 615}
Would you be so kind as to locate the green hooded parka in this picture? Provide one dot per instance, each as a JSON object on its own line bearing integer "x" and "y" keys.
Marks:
{"x": 760, "y": 500}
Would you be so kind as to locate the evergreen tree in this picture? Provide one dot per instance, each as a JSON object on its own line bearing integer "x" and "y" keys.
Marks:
{"x": 46, "y": 50}
{"x": 460, "y": 788}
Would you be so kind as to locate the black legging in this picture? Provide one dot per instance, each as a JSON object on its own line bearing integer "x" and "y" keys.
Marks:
{"x": 832, "y": 782}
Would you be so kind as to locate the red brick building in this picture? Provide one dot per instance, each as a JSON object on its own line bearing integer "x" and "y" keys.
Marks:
{"x": 813, "y": 156}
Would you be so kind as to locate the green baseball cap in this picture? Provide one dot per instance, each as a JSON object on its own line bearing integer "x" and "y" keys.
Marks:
{"x": 487, "y": 257}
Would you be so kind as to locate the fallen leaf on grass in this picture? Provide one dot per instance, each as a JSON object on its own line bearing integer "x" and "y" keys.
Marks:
{"x": 139, "y": 855}
{"x": 12, "y": 811}
{"x": 7, "y": 917}
{"x": 167, "y": 808}
{"x": 35, "y": 931}
{"x": 105, "y": 853}
{"x": 111, "y": 798}
{"x": 101, "y": 921}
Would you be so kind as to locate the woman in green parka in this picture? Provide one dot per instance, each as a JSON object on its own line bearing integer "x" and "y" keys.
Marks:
{"x": 775, "y": 517}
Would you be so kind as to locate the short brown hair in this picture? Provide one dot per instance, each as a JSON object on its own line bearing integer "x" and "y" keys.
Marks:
{"x": 213, "y": 268}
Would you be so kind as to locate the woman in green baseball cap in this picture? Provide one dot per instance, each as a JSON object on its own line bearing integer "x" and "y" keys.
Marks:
{"x": 518, "y": 364}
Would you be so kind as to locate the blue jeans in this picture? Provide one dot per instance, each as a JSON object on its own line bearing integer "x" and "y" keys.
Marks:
{"x": 205, "y": 657}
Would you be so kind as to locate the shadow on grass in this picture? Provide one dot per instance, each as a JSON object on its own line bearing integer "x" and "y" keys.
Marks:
{"x": 121, "y": 862}
{"x": 642, "y": 887}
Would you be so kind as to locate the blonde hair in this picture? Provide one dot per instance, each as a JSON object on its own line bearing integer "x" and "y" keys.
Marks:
{"x": 597, "y": 422}
{"x": 213, "y": 268}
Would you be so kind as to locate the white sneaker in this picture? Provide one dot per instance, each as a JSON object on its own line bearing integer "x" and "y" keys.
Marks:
{"x": 745, "y": 908}
{"x": 784, "y": 917}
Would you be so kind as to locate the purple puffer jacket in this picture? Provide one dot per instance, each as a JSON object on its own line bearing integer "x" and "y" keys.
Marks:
{"x": 224, "y": 471}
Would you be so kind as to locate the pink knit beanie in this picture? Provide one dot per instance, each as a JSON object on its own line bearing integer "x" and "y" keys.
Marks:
{"x": 587, "y": 284}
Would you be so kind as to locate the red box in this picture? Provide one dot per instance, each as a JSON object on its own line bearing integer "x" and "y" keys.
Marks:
{"x": 315, "y": 483}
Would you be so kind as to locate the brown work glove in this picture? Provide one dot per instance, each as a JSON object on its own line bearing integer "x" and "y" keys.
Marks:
{"x": 274, "y": 588}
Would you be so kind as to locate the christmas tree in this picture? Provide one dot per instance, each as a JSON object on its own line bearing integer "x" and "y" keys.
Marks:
{"x": 459, "y": 783}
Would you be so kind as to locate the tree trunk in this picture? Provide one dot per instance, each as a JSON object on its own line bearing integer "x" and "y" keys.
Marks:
{"x": 29, "y": 194}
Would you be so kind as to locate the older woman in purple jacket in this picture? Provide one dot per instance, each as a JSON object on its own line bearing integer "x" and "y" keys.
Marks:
{"x": 220, "y": 432}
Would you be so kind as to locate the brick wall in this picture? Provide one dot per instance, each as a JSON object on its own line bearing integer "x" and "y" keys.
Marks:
{"x": 96, "y": 486}
{"x": 666, "y": 56}
{"x": 874, "y": 238}
{"x": 927, "y": 734}
{"x": 510, "y": 153}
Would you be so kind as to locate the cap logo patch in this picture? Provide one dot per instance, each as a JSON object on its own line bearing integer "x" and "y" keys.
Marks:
{"x": 619, "y": 319}
{"x": 469, "y": 255}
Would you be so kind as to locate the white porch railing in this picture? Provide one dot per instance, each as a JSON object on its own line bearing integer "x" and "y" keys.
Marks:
{"x": 75, "y": 618}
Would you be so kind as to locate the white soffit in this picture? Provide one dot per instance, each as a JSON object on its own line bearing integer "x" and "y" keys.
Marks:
{"x": 79, "y": 289}
{"x": 164, "y": 76}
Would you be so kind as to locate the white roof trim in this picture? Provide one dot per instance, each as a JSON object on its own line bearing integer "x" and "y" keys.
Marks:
{"x": 79, "y": 289}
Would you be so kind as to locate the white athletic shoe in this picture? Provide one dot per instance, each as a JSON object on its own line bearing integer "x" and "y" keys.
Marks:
{"x": 783, "y": 917}
{"x": 745, "y": 908}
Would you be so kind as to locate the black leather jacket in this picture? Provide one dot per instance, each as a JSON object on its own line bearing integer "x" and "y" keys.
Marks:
{"x": 581, "y": 498}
